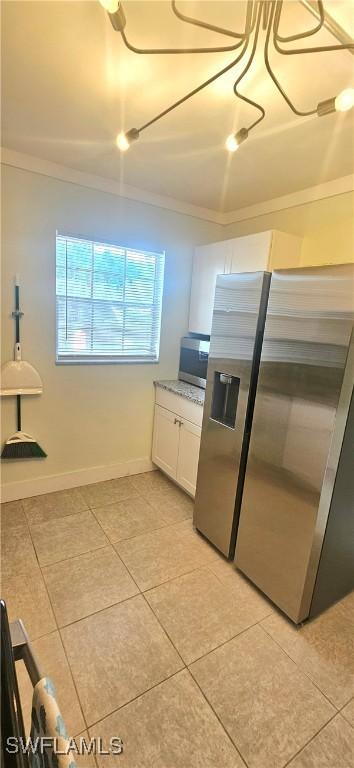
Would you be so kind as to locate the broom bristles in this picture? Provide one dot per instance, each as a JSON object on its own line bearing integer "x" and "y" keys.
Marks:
{"x": 23, "y": 450}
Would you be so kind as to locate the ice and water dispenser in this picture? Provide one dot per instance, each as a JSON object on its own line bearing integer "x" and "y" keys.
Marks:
{"x": 225, "y": 397}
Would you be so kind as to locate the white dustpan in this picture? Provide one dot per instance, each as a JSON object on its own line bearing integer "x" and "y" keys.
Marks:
{"x": 19, "y": 377}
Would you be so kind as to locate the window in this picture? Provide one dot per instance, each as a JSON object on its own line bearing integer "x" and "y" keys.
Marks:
{"x": 108, "y": 302}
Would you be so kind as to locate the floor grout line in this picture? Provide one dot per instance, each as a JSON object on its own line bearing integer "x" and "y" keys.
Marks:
{"x": 218, "y": 718}
{"x": 310, "y": 740}
{"x": 303, "y": 671}
{"x": 186, "y": 666}
{"x": 138, "y": 696}
{"x": 73, "y": 679}
{"x": 100, "y": 610}
{"x": 149, "y": 606}
{"x": 163, "y": 630}
{"x": 81, "y": 554}
{"x": 288, "y": 763}
{"x": 340, "y": 711}
{"x": 72, "y": 557}
{"x": 56, "y": 631}
{"x": 142, "y": 533}
{"x": 54, "y": 518}
{"x": 61, "y": 639}
{"x": 132, "y": 597}
{"x": 200, "y": 567}
{"x": 224, "y": 642}
{"x": 143, "y": 593}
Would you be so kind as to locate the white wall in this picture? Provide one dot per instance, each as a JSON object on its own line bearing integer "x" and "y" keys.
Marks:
{"x": 94, "y": 415}
{"x": 101, "y": 415}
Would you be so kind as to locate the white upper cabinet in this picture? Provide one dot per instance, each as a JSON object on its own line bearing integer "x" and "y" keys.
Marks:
{"x": 262, "y": 251}
{"x": 209, "y": 261}
{"x": 251, "y": 253}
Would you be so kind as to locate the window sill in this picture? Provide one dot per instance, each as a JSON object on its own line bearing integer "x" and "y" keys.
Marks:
{"x": 114, "y": 361}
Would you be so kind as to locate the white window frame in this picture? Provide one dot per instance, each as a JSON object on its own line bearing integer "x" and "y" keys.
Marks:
{"x": 112, "y": 357}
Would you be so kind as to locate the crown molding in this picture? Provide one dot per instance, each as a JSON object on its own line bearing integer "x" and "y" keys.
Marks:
{"x": 64, "y": 173}
{"x": 303, "y": 196}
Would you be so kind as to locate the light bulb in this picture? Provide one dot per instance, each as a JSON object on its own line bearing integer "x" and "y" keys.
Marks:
{"x": 124, "y": 140}
{"x": 111, "y": 6}
{"x": 235, "y": 139}
{"x": 231, "y": 143}
{"x": 345, "y": 100}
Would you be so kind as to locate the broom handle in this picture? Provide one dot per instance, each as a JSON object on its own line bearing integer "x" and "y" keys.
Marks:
{"x": 18, "y": 399}
{"x": 17, "y": 327}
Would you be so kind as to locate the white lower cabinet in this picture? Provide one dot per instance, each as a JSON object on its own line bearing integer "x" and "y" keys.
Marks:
{"x": 175, "y": 447}
{"x": 165, "y": 442}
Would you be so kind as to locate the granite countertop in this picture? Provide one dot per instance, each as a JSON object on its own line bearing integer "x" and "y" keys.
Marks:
{"x": 189, "y": 391}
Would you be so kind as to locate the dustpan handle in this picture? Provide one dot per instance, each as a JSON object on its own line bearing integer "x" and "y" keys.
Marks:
{"x": 17, "y": 313}
{"x": 18, "y": 406}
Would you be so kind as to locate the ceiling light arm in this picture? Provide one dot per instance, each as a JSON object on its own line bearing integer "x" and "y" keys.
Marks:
{"x": 319, "y": 49}
{"x": 221, "y": 49}
{"x": 204, "y": 24}
{"x": 258, "y": 106}
{"x": 241, "y": 76}
{"x": 319, "y": 14}
{"x": 272, "y": 75}
{"x": 244, "y": 37}
{"x": 207, "y": 82}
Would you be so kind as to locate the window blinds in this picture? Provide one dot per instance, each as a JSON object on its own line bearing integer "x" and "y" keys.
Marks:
{"x": 108, "y": 302}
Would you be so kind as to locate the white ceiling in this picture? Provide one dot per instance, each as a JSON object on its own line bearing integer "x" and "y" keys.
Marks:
{"x": 70, "y": 85}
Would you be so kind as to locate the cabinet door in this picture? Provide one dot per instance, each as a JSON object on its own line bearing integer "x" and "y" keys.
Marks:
{"x": 251, "y": 253}
{"x": 285, "y": 251}
{"x": 209, "y": 261}
{"x": 188, "y": 456}
{"x": 165, "y": 441}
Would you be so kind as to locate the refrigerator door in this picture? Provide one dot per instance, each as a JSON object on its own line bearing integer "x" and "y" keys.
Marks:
{"x": 237, "y": 330}
{"x": 287, "y": 491}
{"x": 335, "y": 574}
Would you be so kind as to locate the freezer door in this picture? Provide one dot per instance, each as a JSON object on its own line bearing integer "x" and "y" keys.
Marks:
{"x": 306, "y": 340}
{"x": 237, "y": 328}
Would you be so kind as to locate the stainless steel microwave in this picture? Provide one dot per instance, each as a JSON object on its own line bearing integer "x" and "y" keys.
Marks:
{"x": 193, "y": 361}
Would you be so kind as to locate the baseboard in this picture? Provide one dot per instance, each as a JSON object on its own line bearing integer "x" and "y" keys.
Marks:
{"x": 39, "y": 485}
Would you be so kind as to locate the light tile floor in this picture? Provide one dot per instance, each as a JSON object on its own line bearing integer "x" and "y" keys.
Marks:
{"x": 149, "y": 634}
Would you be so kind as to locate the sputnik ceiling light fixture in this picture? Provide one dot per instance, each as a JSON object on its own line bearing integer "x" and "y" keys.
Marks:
{"x": 265, "y": 14}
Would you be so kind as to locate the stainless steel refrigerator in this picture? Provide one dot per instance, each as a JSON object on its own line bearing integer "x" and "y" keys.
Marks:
{"x": 279, "y": 475}
{"x": 235, "y": 345}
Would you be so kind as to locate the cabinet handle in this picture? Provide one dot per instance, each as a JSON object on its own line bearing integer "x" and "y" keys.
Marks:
{"x": 177, "y": 421}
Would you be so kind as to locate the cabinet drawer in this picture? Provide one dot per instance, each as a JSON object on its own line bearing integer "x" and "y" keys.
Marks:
{"x": 179, "y": 405}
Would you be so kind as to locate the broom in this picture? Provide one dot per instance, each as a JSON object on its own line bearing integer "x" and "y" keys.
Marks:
{"x": 20, "y": 445}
